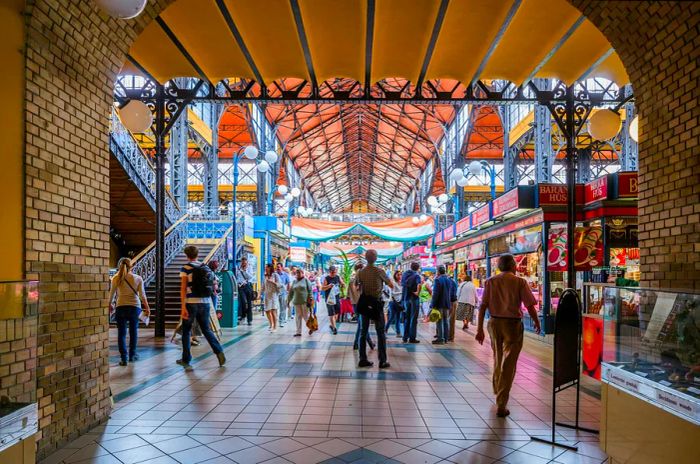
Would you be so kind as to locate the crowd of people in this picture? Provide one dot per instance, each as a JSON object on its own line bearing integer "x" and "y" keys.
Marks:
{"x": 396, "y": 301}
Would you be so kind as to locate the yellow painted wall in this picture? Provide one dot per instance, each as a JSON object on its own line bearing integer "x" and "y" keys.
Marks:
{"x": 12, "y": 139}
{"x": 23, "y": 452}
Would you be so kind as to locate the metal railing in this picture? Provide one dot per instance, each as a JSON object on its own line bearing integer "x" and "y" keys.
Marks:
{"x": 220, "y": 251}
{"x": 203, "y": 229}
{"x": 175, "y": 239}
{"x": 138, "y": 167}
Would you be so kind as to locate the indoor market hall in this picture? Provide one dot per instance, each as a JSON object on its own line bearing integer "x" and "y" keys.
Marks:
{"x": 350, "y": 232}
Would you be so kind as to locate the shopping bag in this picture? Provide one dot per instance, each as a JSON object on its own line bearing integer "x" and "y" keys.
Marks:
{"x": 434, "y": 315}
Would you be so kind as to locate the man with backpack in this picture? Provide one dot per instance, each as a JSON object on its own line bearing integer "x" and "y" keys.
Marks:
{"x": 196, "y": 290}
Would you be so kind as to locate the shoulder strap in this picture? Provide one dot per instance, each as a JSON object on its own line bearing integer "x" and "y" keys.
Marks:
{"x": 130, "y": 286}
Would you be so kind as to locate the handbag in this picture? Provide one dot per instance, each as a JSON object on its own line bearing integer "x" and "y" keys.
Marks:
{"x": 312, "y": 324}
{"x": 434, "y": 315}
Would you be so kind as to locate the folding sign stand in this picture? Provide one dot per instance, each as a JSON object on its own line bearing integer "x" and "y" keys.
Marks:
{"x": 567, "y": 360}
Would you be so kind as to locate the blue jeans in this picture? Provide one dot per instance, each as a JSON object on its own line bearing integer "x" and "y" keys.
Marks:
{"x": 443, "y": 325}
{"x": 364, "y": 337}
{"x": 410, "y": 320}
{"x": 359, "y": 330}
{"x": 395, "y": 310}
{"x": 197, "y": 312}
{"x": 282, "y": 313}
{"x": 124, "y": 315}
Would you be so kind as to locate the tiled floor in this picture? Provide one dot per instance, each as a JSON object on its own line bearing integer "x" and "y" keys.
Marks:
{"x": 281, "y": 399}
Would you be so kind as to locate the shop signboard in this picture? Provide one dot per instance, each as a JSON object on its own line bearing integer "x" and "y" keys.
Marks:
{"x": 437, "y": 239}
{"x": 462, "y": 226}
{"x": 448, "y": 234}
{"x": 598, "y": 190}
{"x": 627, "y": 186}
{"x": 461, "y": 255}
{"x": 588, "y": 248}
{"x": 445, "y": 258}
{"x": 430, "y": 242}
{"x": 427, "y": 262}
{"x": 521, "y": 197}
{"x": 297, "y": 254}
{"x": 557, "y": 194}
{"x": 477, "y": 251}
{"x": 481, "y": 215}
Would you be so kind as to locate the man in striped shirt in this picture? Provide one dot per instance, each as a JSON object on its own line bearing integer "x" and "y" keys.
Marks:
{"x": 195, "y": 307}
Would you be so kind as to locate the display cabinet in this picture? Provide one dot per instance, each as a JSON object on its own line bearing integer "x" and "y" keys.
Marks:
{"x": 18, "y": 330}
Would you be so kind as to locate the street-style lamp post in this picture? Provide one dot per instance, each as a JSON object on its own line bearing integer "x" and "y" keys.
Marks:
{"x": 442, "y": 199}
{"x": 251, "y": 153}
{"x": 476, "y": 167}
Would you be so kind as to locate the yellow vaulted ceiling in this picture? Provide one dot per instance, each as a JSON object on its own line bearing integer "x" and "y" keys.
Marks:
{"x": 495, "y": 39}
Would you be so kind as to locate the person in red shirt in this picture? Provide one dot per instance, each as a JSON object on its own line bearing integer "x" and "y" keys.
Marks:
{"x": 503, "y": 296}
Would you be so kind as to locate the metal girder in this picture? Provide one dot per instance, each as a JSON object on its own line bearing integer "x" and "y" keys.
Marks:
{"x": 629, "y": 155}
{"x": 511, "y": 155}
{"x": 178, "y": 155}
{"x": 583, "y": 170}
{"x": 544, "y": 157}
{"x": 211, "y": 171}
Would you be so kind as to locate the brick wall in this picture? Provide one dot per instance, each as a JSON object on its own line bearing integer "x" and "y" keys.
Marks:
{"x": 659, "y": 44}
{"x": 73, "y": 55}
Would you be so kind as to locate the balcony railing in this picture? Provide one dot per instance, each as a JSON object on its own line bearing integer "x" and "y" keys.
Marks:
{"x": 139, "y": 168}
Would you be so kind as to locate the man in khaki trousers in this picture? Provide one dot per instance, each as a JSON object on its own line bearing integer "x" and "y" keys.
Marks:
{"x": 503, "y": 296}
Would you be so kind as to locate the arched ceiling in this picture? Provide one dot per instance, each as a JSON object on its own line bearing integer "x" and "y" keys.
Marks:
{"x": 363, "y": 152}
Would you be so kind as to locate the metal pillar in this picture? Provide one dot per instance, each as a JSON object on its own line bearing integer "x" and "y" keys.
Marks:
{"x": 211, "y": 169}
{"x": 178, "y": 161}
{"x": 544, "y": 158}
{"x": 510, "y": 154}
{"x": 583, "y": 171}
{"x": 160, "y": 210}
{"x": 234, "y": 232}
{"x": 570, "y": 134}
{"x": 629, "y": 156}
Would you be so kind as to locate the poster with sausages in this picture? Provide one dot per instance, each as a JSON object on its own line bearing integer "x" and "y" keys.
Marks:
{"x": 588, "y": 245}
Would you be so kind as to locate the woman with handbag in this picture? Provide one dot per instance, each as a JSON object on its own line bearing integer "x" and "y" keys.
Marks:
{"x": 272, "y": 295}
{"x": 130, "y": 296}
{"x": 301, "y": 296}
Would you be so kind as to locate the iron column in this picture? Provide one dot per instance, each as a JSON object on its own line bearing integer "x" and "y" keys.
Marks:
{"x": 160, "y": 211}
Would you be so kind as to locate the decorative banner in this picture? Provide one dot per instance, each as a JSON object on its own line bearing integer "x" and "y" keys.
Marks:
{"x": 588, "y": 246}
{"x": 401, "y": 230}
{"x": 383, "y": 249}
{"x": 627, "y": 185}
{"x": 481, "y": 215}
{"x": 319, "y": 230}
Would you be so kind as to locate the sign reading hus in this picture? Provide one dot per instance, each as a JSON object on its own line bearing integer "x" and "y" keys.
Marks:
{"x": 557, "y": 194}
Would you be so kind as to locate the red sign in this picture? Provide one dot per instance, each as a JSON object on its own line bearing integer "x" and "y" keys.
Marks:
{"x": 481, "y": 215}
{"x": 588, "y": 242}
{"x": 477, "y": 251}
{"x": 462, "y": 225}
{"x": 525, "y": 222}
{"x": 592, "y": 346}
{"x": 597, "y": 190}
{"x": 438, "y": 238}
{"x": 430, "y": 242}
{"x": 448, "y": 234}
{"x": 427, "y": 262}
{"x": 505, "y": 203}
{"x": 558, "y": 194}
{"x": 627, "y": 186}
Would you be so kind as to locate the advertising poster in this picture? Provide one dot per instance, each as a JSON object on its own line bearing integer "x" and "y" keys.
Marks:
{"x": 592, "y": 346}
{"x": 477, "y": 251}
{"x": 588, "y": 244}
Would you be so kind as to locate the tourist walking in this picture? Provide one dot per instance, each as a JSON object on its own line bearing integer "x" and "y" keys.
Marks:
{"x": 301, "y": 297}
{"x": 331, "y": 289}
{"x": 371, "y": 308}
{"x": 444, "y": 295}
{"x": 503, "y": 296}
{"x": 128, "y": 289}
{"x": 196, "y": 289}
{"x": 244, "y": 280}
{"x": 395, "y": 305}
{"x": 271, "y": 301}
{"x": 354, "y": 296}
{"x": 411, "y": 285}
{"x": 285, "y": 282}
{"x": 466, "y": 301}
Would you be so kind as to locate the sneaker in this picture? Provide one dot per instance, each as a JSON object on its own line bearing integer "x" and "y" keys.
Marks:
{"x": 221, "y": 357}
{"x": 365, "y": 364}
{"x": 334, "y": 330}
{"x": 414, "y": 341}
{"x": 297, "y": 335}
{"x": 122, "y": 363}
{"x": 195, "y": 342}
{"x": 384, "y": 365}
{"x": 184, "y": 364}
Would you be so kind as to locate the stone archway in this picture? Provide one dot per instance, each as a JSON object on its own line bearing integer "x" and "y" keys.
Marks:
{"x": 73, "y": 54}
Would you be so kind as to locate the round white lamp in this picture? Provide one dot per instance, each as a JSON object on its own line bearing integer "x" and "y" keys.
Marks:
{"x": 456, "y": 174}
{"x": 423, "y": 218}
{"x": 250, "y": 152}
{"x": 475, "y": 168}
{"x": 604, "y": 124}
{"x": 301, "y": 210}
{"x": 282, "y": 189}
{"x": 415, "y": 220}
{"x": 634, "y": 129}
{"x": 122, "y": 9}
{"x": 263, "y": 166}
{"x": 443, "y": 198}
{"x": 288, "y": 197}
{"x": 295, "y": 192}
{"x": 136, "y": 116}
{"x": 271, "y": 157}
{"x": 432, "y": 201}
{"x": 462, "y": 182}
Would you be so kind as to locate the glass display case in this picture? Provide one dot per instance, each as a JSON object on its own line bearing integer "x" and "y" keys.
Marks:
{"x": 19, "y": 302}
{"x": 652, "y": 346}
